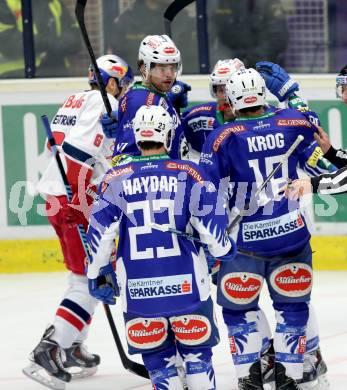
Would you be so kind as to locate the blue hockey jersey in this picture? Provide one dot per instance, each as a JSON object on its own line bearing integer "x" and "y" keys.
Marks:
{"x": 245, "y": 152}
{"x": 198, "y": 121}
{"x": 136, "y": 97}
{"x": 159, "y": 273}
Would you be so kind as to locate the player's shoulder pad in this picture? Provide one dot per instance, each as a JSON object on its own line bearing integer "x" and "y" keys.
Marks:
{"x": 200, "y": 109}
{"x": 312, "y": 117}
{"x": 116, "y": 173}
{"x": 192, "y": 169}
{"x": 135, "y": 98}
{"x": 290, "y": 117}
{"x": 144, "y": 96}
{"x": 93, "y": 97}
{"x": 219, "y": 137}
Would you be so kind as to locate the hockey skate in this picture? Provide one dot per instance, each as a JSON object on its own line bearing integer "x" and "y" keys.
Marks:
{"x": 79, "y": 362}
{"x": 315, "y": 370}
{"x": 46, "y": 365}
{"x": 254, "y": 381}
{"x": 267, "y": 361}
{"x": 283, "y": 382}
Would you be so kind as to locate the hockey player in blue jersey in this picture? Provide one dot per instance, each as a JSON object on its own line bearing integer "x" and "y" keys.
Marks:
{"x": 245, "y": 152}
{"x": 162, "y": 278}
{"x": 198, "y": 121}
{"x": 159, "y": 64}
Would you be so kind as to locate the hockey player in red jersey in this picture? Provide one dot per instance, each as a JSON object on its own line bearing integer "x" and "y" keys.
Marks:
{"x": 86, "y": 153}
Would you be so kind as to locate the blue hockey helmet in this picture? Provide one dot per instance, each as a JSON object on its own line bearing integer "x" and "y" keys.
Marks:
{"x": 113, "y": 66}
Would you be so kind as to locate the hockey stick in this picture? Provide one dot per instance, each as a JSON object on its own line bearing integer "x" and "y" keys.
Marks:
{"x": 171, "y": 11}
{"x": 237, "y": 219}
{"x": 128, "y": 364}
{"x": 165, "y": 228}
{"x": 285, "y": 157}
{"x": 79, "y": 11}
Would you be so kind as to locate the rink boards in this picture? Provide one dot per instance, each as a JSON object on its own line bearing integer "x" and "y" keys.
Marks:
{"x": 27, "y": 242}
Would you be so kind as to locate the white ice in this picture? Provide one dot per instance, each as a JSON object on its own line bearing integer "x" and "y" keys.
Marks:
{"x": 28, "y": 303}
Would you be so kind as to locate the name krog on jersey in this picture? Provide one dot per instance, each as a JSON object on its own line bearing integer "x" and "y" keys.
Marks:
{"x": 246, "y": 151}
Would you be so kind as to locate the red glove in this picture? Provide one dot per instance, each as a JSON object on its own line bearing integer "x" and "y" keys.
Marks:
{"x": 78, "y": 211}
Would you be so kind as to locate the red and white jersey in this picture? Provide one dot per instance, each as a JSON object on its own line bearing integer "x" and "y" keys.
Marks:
{"x": 78, "y": 133}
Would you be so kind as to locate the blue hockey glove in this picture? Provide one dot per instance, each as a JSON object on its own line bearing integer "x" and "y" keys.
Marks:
{"x": 105, "y": 286}
{"x": 110, "y": 124}
{"x": 277, "y": 80}
{"x": 178, "y": 94}
{"x": 211, "y": 260}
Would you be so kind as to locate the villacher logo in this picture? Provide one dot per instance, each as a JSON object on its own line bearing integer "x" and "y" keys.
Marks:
{"x": 293, "y": 280}
{"x": 191, "y": 329}
{"x": 241, "y": 287}
{"x": 146, "y": 333}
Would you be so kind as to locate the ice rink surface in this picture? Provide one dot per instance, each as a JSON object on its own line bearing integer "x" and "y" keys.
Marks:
{"x": 28, "y": 303}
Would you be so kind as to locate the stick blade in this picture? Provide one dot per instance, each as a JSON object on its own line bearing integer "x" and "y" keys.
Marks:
{"x": 137, "y": 369}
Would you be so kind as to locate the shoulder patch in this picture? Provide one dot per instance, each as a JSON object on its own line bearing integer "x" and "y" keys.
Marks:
{"x": 205, "y": 107}
{"x": 172, "y": 165}
{"x": 150, "y": 99}
{"x": 123, "y": 105}
{"x": 293, "y": 122}
{"x": 118, "y": 172}
{"x": 225, "y": 134}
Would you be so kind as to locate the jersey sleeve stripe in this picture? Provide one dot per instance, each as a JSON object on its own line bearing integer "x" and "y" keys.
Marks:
{"x": 78, "y": 154}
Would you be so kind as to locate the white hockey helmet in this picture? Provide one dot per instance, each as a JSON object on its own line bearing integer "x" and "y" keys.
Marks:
{"x": 341, "y": 82}
{"x": 153, "y": 123}
{"x": 159, "y": 49}
{"x": 111, "y": 65}
{"x": 222, "y": 72}
{"x": 245, "y": 88}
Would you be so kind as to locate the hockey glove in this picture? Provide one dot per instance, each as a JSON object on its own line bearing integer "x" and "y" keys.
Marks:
{"x": 211, "y": 260}
{"x": 214, "y": 263}
{"x": 277, "y": 80}
{"x": 105, "y": 286}
{"x": 110, "y": 124}
{"x": 178, "y": 94}
{"x": 78, "y": 211}
{"x": 232, "y": 252}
